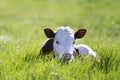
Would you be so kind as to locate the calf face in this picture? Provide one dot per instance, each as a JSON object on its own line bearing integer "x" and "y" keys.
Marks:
{"x": 63, "y": 41}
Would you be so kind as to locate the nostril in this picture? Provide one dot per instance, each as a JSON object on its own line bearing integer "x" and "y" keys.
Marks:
{"x": 67, "y": 56}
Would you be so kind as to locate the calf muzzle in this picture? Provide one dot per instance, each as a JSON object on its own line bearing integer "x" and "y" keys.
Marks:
{"x": 67, "y": 56}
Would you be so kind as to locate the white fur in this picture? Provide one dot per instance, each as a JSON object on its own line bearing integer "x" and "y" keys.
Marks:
{"x": 84, "y": 50}
{"x": 65, "y": 38}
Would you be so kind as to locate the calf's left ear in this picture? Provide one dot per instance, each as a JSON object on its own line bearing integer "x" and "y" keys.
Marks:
{"x": 80, "y": 33}
{"x": 49, "y": 32}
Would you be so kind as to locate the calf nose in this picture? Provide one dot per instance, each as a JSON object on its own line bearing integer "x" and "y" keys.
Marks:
{"x": 67, "y": 56}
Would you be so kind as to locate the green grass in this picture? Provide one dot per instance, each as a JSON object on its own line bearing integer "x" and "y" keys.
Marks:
{"x": 21, "y": 36}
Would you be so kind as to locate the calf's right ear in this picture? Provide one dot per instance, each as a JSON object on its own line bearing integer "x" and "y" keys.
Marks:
{"x": 80, "y": 33}
{"x": 49, "y": 33}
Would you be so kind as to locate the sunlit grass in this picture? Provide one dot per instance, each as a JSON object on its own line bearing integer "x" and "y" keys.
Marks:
{"x": 21, "y": 36}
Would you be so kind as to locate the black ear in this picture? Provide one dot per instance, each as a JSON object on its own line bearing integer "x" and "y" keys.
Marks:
{"x": 49, "y": 33}
{"x": 80, "y": 33}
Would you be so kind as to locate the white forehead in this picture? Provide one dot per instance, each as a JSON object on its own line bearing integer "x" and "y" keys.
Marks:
{"x": 64, "y": 32}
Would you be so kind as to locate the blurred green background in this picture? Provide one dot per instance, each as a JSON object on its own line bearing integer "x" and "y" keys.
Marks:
{"x": 21, "y": 36}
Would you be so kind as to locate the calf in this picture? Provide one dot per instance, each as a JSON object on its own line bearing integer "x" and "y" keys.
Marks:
{"x": 62, "y": 43}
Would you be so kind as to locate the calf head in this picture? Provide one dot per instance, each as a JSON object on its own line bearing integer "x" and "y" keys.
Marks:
{"x": 63, "y": 41}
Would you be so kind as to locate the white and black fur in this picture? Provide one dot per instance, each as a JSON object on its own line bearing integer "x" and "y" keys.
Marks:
{"x": 62, "y": 42}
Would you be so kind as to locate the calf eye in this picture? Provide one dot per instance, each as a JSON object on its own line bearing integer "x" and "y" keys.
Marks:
{"x": 74, "y": 42}
{"x": 57, "y": 42}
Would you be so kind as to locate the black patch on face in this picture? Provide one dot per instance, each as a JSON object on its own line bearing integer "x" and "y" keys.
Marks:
{"x": 47, "y": 48}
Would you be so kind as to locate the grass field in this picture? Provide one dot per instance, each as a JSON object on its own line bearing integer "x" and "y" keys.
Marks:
{"x": 21, "y": 36}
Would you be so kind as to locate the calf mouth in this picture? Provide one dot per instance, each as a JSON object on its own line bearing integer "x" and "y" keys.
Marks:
{"x": 65, "y": 57}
